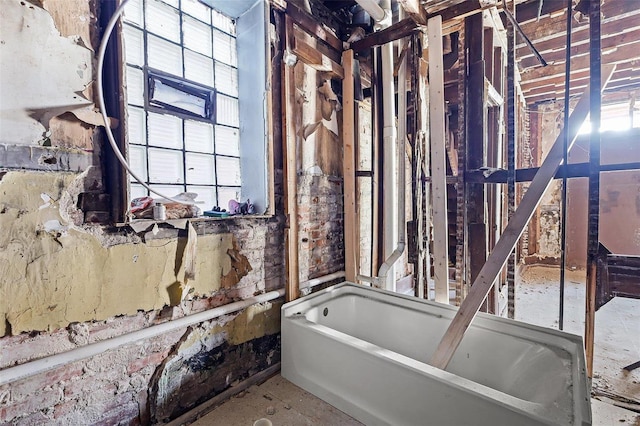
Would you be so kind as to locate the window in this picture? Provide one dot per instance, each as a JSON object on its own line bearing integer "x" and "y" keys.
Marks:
{"x": 185, "y": 108}
{"x": 615, "y": 117}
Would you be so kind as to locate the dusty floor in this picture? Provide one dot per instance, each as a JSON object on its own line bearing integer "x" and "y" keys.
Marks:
{"x": 617, "y": 336}
{"x": 617, "y": 343}
{"x": 280, "y": 401}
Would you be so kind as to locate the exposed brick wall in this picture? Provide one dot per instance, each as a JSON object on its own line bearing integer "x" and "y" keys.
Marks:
{"x": 320, "y": 215}
{"x": 114, "y": 387}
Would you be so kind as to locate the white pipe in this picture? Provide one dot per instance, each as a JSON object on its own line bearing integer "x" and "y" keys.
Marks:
{"x": 393, "y": 173}
{"x": 389, "y": 172}
{"x": 309, "y": 284}
{"x": 373, "y": 9}
{"x": 400, "y": 220}
{"x": 38, "y": 366}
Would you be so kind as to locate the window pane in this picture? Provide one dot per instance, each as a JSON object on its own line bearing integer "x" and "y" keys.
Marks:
{"x": 165, "y": 130}
{"x": 136, "y": 126}
{"x": 163, "y": 20}
{"x": 198, "y": 136}
{"x": 138, "y": 161}
{"x": 226, "y": 194}
{"x": 197, "y": 10}
{"x": 167, "y": 190}
{"x": 198, "y": 68}
{"x": 223, "y": 22}
{"x": 165, "y": 166}
{"x": 133, "y": 12}
{"x": 226, "y": 79}
{"x": 206, "y": 195}
{"x": 133, "y": 45}
{"x": 227, "y": 110}
{"x": 224, "y": 48}
{"x": 135, "y": 86}
{"x": 163, "y": 94}
{"x": 197, "y": 36}
{"x": 165, "y": 56}
{"x": 200, "y": 169}
{"x": 228, "y": 171}
{"x": 138, "y": 191}
{"x": 174, "y": 3}
{"x": 227, "y": 141}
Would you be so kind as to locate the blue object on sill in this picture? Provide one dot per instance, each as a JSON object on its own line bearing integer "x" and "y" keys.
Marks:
{"x": 211, "y": 213}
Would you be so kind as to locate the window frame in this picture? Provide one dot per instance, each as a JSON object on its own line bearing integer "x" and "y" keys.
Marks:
{"x": 118, "y": 182}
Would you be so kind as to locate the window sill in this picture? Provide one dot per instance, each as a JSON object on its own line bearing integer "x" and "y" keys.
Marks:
{"x": 141, "y": 225}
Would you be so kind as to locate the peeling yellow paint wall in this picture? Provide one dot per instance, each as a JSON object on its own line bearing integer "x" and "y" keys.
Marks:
{"x": 255, "y": 321}
{"x": 54, "y": 274}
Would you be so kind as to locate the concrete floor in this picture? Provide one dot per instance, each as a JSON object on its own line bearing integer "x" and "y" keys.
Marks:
{"x": 280, "y": 401}
{"x": 617, "y": 336}
{"x": 617, "y": 343}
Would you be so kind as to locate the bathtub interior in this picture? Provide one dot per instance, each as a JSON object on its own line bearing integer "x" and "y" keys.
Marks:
{"x": 521, "y": 366}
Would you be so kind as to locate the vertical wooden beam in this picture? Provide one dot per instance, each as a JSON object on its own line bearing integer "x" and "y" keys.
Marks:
{"x": 349, "y": 167}
{"x": 594, "y": 180}
{"x": 511, "y": 159}
{"x": 290, "y": 172}
{"x": 476, "y": 144}
{"x": 438, "y": 160}
{"x": 454, "y": 334}
{"x": 377, "y": 251}
{"x": 460, "y": 187}
{"x": 423, "y": 167}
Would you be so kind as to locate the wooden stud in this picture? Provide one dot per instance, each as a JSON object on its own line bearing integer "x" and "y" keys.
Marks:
{"x": 476, "y": 124}
{"x": 460, "y": 187}
{"x": 315, "y": 59}
{"x": 422, "y": 168}
{"x": 349, "y": 167}
{"x": 312, "y": 26}
{"x": 414, "y": 10}
{"x": 454, "y": 334}
{"x": 512, "y": 131}
{"x": 290, "y": 172}
{"x": 438, "y": 160}
{"x": 593, "y": 221}
{"x": 396, "y": 31}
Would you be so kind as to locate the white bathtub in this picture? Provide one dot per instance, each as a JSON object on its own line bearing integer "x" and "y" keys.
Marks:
{"x": 365, "y": 351}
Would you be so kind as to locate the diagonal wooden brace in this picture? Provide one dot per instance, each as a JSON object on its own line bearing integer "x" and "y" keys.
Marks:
{"x": 481, "y": 286}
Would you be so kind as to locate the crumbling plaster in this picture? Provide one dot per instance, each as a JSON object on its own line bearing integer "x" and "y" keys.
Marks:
{"x": 54, "y": 273}
{"x": 46, "y": 76}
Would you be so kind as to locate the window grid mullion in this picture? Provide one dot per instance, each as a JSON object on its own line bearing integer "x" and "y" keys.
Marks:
{"x": 145, "y": 74}
{"x": 215, "y": 111}
{"x": 183, "y": 120}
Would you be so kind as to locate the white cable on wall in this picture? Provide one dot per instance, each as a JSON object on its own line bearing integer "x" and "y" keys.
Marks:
{"x": 103, "y": 109}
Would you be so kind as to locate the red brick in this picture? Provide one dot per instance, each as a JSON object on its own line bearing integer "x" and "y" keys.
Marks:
{"x": 37, "y": 418}
{"x": 153, "y": 359}
{"x": 23, "y": 348}
{"x": 37, "y": 401}
{"x": 64, "y": 408}
{"x": 124, "y": 414}
{"x": 88, "y": 384}
{"x": 27, "y": 387}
